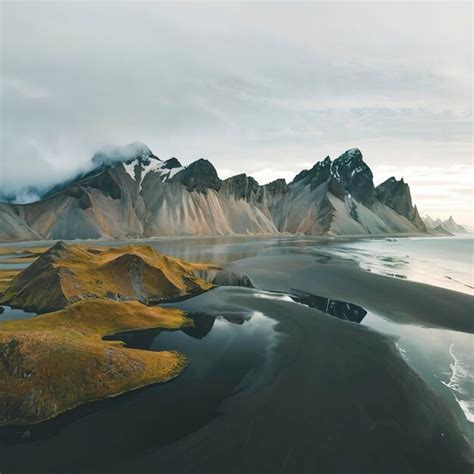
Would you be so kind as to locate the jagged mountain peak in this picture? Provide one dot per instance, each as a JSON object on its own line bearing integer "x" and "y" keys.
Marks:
{"x": 173, "y": 163}
{"x": 350, "y": 163}
{"x": 200, "y": 175}
{"x": 278, "y": 186}
{"x": 347, "y": 174}
{"x": 242, "y": 186}
{"x": 242, "y": 177}
{"x": 449, "y": 225}
{"x": 137, "y": 194}
{"x": 355, "y": 175}
{"x": 318, "y": 174}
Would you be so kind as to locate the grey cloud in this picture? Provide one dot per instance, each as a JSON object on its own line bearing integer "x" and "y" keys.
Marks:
{"x": 251, "y": 87}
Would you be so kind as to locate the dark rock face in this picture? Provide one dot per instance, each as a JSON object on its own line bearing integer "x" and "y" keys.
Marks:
{"x": 396, "y": 195}
{"x": 172, "y": 163}
{"x": 326, "y": 214}
{"x": 200, "y": 176}
{"x": 355, "y": 176}
{"x": 317, "y": 175}
{"x": 279, "y": 186}
{"x": 346, "y": 174}
{"x": 242, "y": 186}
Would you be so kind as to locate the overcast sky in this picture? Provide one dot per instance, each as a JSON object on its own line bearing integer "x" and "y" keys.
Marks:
{"x": 267, "y": 89}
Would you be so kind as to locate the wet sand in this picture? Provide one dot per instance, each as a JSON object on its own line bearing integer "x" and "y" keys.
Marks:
{"x": 340, "y": 398}
{"x": 400, "y": 300}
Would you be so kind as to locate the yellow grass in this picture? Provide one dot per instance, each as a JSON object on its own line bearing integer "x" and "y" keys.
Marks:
{"x": 77, "y": 272}
{"x": 57, "y": 361}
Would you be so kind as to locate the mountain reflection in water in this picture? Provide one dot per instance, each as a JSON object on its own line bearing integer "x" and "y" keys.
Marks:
{"x": 143, "y": 338}
{"x": 203, "y": 322}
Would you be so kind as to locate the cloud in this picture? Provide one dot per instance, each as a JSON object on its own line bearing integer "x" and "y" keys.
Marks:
{"x": 266, "y": 89}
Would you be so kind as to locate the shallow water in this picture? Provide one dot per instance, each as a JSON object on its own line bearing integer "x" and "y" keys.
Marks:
{"x": 13, "y": 266}
{"x": 10, "y": 313}
{"x": 446, "y": 262}
{"x": 232, "y": 346}
{"x": 445, "y": 360}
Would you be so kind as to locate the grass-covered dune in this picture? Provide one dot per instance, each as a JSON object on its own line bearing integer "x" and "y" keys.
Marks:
{"x": 67, "y": 273}
{"x": 57, "y": 361}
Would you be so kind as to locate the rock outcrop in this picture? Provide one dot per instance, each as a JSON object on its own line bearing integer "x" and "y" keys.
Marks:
{"x": 131, "y": 193}
{"x": 396, "y": 195}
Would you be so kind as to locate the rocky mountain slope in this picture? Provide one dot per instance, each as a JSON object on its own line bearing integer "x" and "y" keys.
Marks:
{"x": 129, "y": 193}
{"x": 448, "y": 226}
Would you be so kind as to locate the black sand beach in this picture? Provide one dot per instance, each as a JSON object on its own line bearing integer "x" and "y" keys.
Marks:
{"x": 308, "y": 393}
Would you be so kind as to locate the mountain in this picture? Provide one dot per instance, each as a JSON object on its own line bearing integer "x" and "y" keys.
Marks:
{"x": 449, "y": 226}
{"x": 131, "y": 193}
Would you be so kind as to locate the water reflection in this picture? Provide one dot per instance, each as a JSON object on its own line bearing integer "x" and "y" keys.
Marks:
{"x": 339, "y": 309}
{"x": 202, "y": 326}
{"x": 143, "y": 338}
{"x": 6, "y": 313}
{"x": 443, "y": 358}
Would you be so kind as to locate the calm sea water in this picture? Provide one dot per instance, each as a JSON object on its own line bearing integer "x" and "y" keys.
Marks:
{"x": 446, "y": 262}
{"x": 444, "y": 358}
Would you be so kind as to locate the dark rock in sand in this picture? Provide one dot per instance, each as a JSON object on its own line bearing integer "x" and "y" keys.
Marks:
{"x": 339, "y": 309}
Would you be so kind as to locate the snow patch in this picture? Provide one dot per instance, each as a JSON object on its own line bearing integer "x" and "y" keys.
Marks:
{"x": 175, "y": 171}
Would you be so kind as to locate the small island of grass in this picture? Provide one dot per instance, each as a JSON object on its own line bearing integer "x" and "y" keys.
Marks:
{"x": 57, "y": 361}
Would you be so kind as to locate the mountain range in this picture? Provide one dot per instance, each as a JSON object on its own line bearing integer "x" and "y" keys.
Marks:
{"x": 448, "y": 226}
{"x": 130, "y": 193}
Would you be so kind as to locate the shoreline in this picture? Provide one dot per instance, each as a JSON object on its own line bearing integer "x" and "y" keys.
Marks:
{"x": 324, "y": 237}
{"x": 340, "y": 386}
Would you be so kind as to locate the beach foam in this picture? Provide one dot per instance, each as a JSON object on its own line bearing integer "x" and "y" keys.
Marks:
{"x": 461, "y": 382}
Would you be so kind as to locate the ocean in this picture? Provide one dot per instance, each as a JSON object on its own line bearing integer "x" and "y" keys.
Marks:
{"x": 446, "y": 262}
